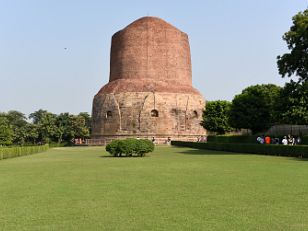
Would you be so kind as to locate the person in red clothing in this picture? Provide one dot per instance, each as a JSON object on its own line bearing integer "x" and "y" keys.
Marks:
{"x": 267, "y": 140}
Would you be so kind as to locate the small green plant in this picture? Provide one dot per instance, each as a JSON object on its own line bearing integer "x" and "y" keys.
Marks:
{"x": 130, "y": 147}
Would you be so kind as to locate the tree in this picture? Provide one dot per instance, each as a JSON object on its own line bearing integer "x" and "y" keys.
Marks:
{"x": 70, "y": 127}
{"x": 254, "y": 107}
{"x": 216, "y": 116}
{"x": 88, "y": 120}
{"x": 18, "y": 122}
{"x": 79, "y": 128}
{"x": 296, "y": 62}
{"x": 63, "y": 131}
{"x": 46, "y": 125}
{"x": 6, "y": 131}
{"x": 292, "y": 105}
{"x": 32, "y": 133}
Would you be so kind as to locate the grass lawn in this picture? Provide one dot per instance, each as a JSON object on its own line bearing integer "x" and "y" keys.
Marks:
{"x": 170, "y": 189}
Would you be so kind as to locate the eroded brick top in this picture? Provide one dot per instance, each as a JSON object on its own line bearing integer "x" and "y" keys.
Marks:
{"x": 150, "y": 55}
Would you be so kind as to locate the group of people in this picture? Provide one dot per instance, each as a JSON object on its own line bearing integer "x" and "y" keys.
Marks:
{"x": 290, "y": 140}
{"x": 286, "y": 140}
{"x": 168, "y": 141}
{"x": 202, "y": 139}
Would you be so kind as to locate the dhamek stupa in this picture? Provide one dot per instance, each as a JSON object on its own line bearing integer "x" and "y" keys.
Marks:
{"x": 150, "y": 90}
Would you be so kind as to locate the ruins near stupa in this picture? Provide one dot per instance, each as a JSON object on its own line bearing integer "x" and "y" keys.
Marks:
{"x": 150, "y": 92}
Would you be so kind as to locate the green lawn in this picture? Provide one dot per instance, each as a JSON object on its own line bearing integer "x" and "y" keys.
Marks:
{"x": 170, "y": 189}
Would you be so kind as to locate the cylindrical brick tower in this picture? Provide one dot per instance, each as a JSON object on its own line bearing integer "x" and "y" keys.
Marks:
{"x": 150, "y": 89}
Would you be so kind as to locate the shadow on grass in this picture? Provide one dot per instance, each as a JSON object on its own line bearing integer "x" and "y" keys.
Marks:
{"x": 206, "y": 152}
{"x": 213, "y": 152}
{"x": 300, "y": 159}
{"x": 120, "y": 157}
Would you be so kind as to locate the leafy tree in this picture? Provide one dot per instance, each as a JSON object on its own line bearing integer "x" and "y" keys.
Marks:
{"x": 32, "y": 133}
{"x": 6, "y": 131}
{"x": 70, "y": 127}
{"x": 216, "y": 116}
{"x": 292, "y": 105}
{"x": 254, "y": 107}
{"x": 63, "y": 130}
{"x": 44, "y": 128}
{"x": 79, "y": 128}
{"x": 18, "y": 122}
{"x": 296, "y": 62}
{"x": 88, "y": 120}
{"x": 46, "y": 125}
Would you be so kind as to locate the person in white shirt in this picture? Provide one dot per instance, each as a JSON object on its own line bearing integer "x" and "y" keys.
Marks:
{"x": 284, "y": 141}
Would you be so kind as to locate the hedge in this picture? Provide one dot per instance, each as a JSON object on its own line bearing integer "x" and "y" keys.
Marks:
{"x": 264, "y": 149}
{"x": 10, "y": 152}
{"x": 130, "y": 147}
{"x": 232, "y": 139}
{"x": 305, "y": 140}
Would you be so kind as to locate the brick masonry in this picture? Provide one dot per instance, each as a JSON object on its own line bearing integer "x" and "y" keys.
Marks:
{"x": 150, "y": 89}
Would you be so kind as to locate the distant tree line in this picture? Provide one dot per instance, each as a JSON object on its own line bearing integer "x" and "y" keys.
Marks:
{"x": 43, "y": 127}
{"x": 259, "y": 107}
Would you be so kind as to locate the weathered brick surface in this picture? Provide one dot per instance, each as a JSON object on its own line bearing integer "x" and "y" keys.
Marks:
{"x": 150, "y": 73}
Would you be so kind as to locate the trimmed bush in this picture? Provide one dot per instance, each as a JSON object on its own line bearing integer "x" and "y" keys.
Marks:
{"x": 130, "y": 147}
{"x": 305, "y": 140}
{"x": 10, "y": 152}
{"x": 144, "y": 146}
{"x": 264, "y": 149}
{"x": 232, "y": 139}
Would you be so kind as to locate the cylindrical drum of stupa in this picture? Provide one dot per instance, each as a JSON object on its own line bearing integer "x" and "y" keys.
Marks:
{"x": 150, "y": 92}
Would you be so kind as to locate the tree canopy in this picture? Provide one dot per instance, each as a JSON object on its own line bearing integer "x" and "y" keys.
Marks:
{"x": 18, "y": 122}
{"x": 44, "y": 127}
{"x": 296, "y": 61}
{"x": 46, "y": 124}
{"x": 254, "y": 107}
{"x": 6, "y": 131}
{"x": 292, "y": 105}
{"x": 216, "y": 116}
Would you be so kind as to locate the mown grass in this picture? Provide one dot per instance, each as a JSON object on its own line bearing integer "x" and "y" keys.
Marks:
{"x": 170, "y": 189}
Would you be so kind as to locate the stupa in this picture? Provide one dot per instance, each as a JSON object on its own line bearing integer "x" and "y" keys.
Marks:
{"x": 150, "y": 92}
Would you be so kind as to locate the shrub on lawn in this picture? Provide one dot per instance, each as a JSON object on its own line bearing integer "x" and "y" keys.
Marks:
{"x": 265, "y": 149}
{"x": 10, "y": 152}
{"x": 130, "y": 147}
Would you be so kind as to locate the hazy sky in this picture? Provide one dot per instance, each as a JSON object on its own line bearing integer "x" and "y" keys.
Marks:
{"x": 234, "y": 44}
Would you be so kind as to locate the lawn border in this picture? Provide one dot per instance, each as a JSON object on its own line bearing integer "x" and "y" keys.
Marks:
{"x": 11, "y": 152}
{"x": 263, "y": 149}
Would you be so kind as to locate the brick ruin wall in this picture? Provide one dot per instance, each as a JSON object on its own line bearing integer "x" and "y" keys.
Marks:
{"x": 147, "y": 114}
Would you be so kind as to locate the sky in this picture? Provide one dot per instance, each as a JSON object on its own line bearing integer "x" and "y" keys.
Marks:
{"x": 234, "y": 44}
